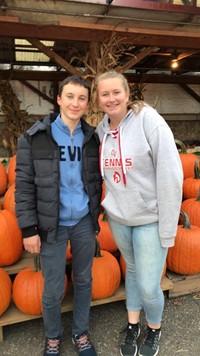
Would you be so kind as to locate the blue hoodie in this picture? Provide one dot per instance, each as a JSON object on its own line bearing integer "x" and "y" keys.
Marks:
{"x": 73, "y": 197}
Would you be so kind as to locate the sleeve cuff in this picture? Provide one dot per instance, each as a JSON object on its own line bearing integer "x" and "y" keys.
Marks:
{"x": 29, "y": 231}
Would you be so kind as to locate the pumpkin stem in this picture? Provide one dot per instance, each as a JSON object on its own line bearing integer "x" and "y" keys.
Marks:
{"x": 186, "y": 220}
{"x": 97, "y": 249}
{"x": 196, "y": 169}
{"x": 104, "y": 217}
{"x": 37, "y": 262}
{"x": 182, "y": 146}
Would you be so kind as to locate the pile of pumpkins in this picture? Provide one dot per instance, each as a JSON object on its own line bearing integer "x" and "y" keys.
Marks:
{"x": 184, "y": 257}
{"x": 26, "y": 288}
{"x": 107, "y": 271}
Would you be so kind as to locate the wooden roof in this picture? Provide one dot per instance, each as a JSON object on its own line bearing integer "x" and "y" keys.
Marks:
{"x": 156, "y": 34}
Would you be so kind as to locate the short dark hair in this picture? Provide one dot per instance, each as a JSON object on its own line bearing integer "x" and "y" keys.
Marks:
{"x": 75, "y": 79}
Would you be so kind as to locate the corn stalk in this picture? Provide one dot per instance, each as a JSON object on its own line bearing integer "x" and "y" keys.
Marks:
{"x": 16, "y": 120}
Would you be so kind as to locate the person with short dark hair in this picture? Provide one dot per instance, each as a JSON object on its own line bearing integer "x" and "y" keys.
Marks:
{"x": 58, "y": 193}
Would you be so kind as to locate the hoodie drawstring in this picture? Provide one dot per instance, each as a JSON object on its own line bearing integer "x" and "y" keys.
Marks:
{"x": 114, "y": 134}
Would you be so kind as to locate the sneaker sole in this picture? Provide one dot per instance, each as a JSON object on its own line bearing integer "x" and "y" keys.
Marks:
{"x": 129, "y": 354}
{"x": 139, "y": 354}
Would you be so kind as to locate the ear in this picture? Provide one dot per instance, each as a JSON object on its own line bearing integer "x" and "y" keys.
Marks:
{"x": 59, "y": 100}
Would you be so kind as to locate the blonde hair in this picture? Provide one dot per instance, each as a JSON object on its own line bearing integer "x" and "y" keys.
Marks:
{"x": 136, "y": 105}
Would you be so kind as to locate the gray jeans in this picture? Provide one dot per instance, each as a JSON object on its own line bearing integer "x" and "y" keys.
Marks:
{"x": 53, "y": 259}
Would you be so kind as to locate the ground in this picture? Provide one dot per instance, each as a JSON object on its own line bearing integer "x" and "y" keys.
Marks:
{"x": 180, "y": 330}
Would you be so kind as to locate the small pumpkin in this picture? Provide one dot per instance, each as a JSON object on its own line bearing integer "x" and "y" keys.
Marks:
{"x": 28, "y": 288}
{"x": 192, "y": 208}
{"x": 5, "y": 290}
{"x": 183, "y": 257}
{"x": 105, "y": 236}
{"x": 11, "y": 170}
{"x": 106, "y": 274}
{"x": 187, "y": 159}
{"x": 11, "y": 245}
{"x": 3, "y": 179}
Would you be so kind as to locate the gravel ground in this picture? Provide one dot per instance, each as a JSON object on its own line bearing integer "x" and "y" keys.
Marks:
{"x": 180, "y": 330}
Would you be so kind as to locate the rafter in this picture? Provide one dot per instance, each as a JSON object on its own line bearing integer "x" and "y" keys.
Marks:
{"x": 52, "y": 55}
{"x": 136, "y": 59}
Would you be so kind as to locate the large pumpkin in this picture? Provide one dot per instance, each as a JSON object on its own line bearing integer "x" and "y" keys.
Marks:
{"x": 183, "y": 257}
{"x": 5, "y": 290}
{"x": 192, "y": 208}
{"x": 9, "y": 199}
{"x": 11, "y": 170}
{"x": 106, "y": 274}
{"x": 187, "y": 159}
{"x": 11, "y": 245}
{"x": 105, "y": 236}
{"x": 3, "y": 179}
{"x": 191, "y": 185}
{"x": 28, "y": 288}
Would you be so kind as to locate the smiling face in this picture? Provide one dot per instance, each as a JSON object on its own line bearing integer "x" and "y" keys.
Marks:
{"x": 73, "y": 102}
{"x": 112, "y": 97}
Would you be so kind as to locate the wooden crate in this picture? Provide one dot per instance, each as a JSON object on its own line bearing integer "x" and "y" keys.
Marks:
{"x": 13, "y": 315}
{"x": 183, "y": 284}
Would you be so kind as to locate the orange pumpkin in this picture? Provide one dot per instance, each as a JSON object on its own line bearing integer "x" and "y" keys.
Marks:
{"x": 5, "y": 290}
{"x": 9, "y": 199}
{"x": 106, "y": 275}
{"x": 183, "y": 257}
{"x": 3, "y": 179}
{"x": 11, "y": 245}
{"x": 191, "y": 185}
{"x": 192, "y": 208}
{"x": 68, "y": 252}
{"x": 187, "y": 159}
{"x": 11, "y": 170}
{"x": 105, "y": 236}
{"x": 28, "y": 288}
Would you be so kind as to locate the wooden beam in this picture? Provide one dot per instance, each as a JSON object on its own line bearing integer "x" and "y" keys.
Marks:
{"x": 76, "y": 31}
{"x": 190, "y": 92}
{"x": 132, "y": 77}
{"x": 9, "y": 18}
{"x": 133, "y": 61}
{"x": 55, "y": 57}
{"x": 37, "y": 91}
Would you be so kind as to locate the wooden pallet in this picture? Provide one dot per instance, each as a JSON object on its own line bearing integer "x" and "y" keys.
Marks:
{"x": 13, "y": 315}
{"x": 182, "y": 284}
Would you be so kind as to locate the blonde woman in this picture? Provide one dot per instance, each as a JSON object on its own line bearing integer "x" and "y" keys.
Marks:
{"x": 143, "y": 177}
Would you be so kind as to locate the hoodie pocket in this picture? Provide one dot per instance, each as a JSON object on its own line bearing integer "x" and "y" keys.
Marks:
{"x": 128, "y": 208}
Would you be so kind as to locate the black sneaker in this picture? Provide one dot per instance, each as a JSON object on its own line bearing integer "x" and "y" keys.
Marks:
{"x": 128, "y": 345}
{"x": 52, "y": 347}
{"x": 84, "y": 345}
{"x": 150, "y": 344}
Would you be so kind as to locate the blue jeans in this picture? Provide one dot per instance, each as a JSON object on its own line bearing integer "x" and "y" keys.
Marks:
{"x": 145, "y": 259}
{"x": 53, "y": 258}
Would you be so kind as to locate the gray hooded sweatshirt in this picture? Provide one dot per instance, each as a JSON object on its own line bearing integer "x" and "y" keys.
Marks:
{"x": 142, "y": 171}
